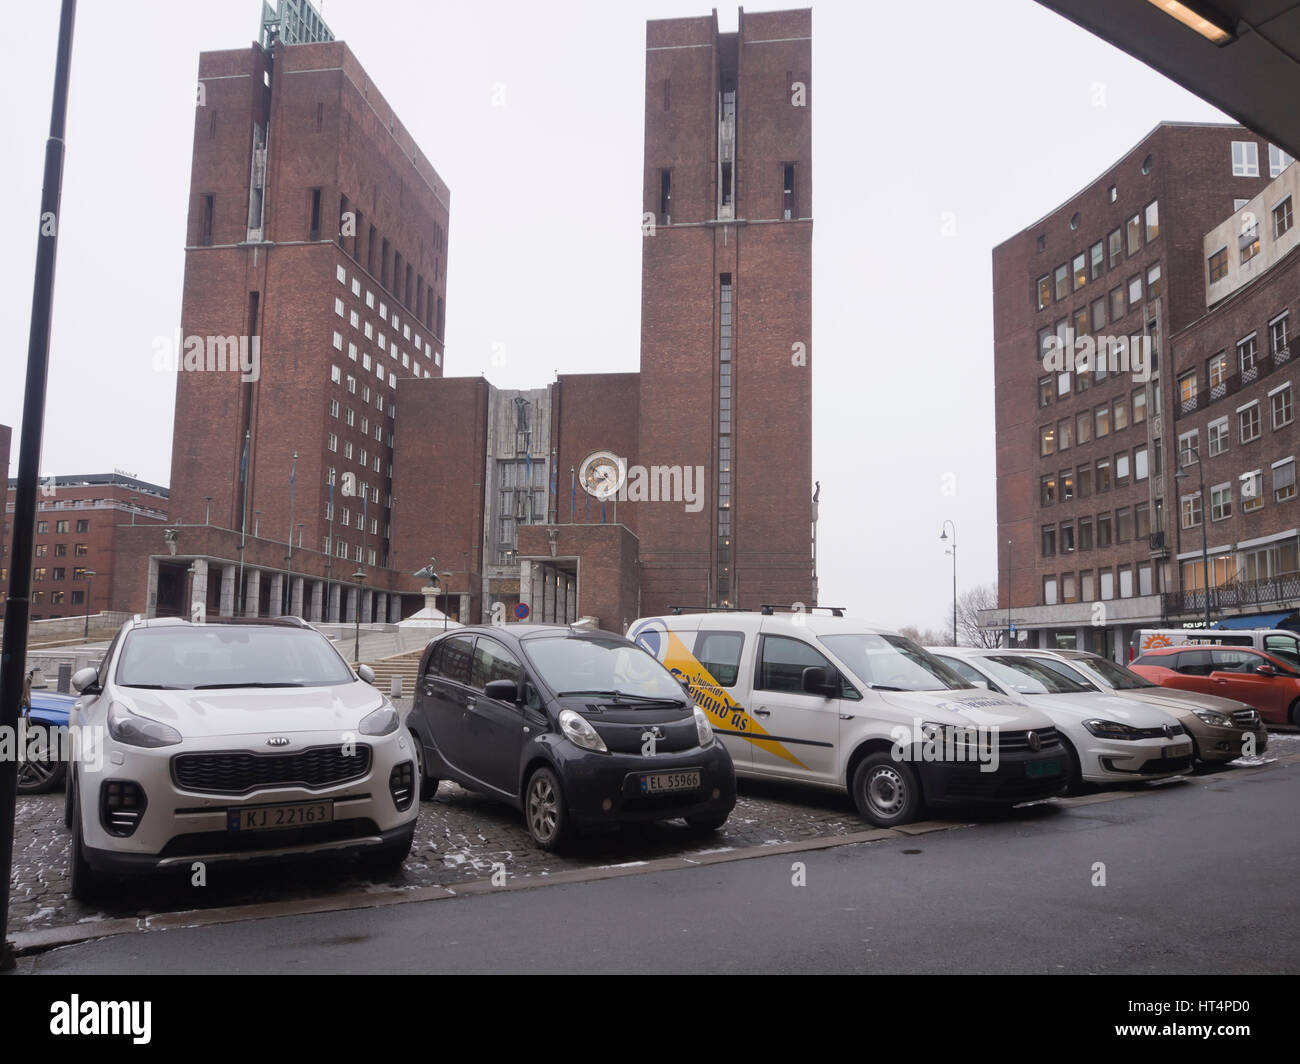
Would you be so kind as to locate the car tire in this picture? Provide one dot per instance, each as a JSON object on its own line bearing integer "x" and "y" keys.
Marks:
{"x": 86, "y": 883}
{"x": 707, "y": 822}
{"x": 1076, "y": 784}
{"x": 1293, "y": 715}
{"x": 33, "y": 780}
{"x": 545, "y": 811}
{"x": 886, "y": 791}
{"x": 428, "y": 785}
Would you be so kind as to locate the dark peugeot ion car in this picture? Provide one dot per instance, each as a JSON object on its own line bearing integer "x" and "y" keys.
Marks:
{"x": 578, "y": 729}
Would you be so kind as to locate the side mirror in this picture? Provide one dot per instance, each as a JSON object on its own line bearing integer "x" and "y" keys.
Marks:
{"x": 366, "y": 674}
{"x": 982, "y": 683}
{"x": 83, "y": 680}
{"x": 818, "y": 680}
{"x": 1266, "y": 670}
{"x": 502, "y": 690}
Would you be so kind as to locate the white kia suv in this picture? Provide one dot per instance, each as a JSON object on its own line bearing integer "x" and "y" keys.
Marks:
{"x": 232, "y": 741}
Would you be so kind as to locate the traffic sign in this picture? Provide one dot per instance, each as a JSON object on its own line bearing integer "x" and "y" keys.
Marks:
{"x": 521, "y": 611}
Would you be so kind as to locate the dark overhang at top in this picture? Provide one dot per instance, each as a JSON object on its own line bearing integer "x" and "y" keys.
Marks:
{"x": 1242, "y": 56}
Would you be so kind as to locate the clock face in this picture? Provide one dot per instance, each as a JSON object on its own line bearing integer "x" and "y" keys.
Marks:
{"x": 602, "y": 474}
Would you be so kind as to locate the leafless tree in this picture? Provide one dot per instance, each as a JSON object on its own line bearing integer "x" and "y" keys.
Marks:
{"x": 928, "y": 637}
{"x": 969, "y": 605}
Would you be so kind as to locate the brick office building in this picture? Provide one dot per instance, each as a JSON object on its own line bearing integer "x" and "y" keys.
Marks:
{"x": 1090, "y": 536}
{"x": 82, "y": 526}
{"x": 719, "y": 417}
{"x": 316, "y": 253}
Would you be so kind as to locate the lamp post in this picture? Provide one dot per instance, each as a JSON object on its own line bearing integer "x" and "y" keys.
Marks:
{"x": 944, "y": 537}
{"x": 358, "y": 576}
{"x": 1011, "y": 642}
{"x": 288, "y": 567}
{"x": 90, "y": 586}
{"x": 1183, "y": 475}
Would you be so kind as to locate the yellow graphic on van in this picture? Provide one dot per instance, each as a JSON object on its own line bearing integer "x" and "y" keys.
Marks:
{"x": 722, "y": 710}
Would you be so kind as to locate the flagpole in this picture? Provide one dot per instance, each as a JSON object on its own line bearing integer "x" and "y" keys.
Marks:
{"x": 288, "y": 571}
{"x": 573, "y": 494}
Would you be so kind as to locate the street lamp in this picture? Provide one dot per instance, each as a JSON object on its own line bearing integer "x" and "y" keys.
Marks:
{"x": 90, "y": 584}
{"x": 944, "y": 537}
{"x": 1183, "y": 475}
{"x": 358, "y": 576}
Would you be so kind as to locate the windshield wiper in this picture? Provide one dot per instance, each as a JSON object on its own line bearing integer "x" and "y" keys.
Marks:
{"x": 227, "y": 686}
{"x": 619, "y": 696}
{"x": 884, "y": 687}
{"x": 153, "y": 687}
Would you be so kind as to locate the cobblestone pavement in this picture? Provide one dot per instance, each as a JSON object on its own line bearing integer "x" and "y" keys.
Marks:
{"x": 460, "y": 837}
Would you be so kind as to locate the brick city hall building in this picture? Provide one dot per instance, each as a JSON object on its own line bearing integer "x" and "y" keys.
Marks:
{"x": 320, "y": 457}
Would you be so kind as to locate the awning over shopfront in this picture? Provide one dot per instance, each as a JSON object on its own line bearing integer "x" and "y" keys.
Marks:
{"x": 1261, "y": 620}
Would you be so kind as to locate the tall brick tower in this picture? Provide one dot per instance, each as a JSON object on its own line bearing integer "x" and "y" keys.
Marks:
{"x": 318, "y": 233}
{"x": 726, "y": 309}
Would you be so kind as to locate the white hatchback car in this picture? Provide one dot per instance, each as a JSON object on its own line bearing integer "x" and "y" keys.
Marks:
{"x": 1109, "y": 739}
{"x": 232, "y": 741}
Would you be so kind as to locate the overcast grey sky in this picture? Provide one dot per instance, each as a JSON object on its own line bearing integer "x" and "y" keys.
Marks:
{"x": 983, "y": 114}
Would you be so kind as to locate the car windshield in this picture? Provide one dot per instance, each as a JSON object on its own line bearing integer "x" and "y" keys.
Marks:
{"x": 1115, "y": 676}
{"x": 601, "y": 667}
{"x": 227, "y": 656}
{"x": 891, "y": 661}
{"x": 1034, "y": 676}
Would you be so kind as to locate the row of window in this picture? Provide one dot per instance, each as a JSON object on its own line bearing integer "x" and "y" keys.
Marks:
{"x": 1097, "y": 423}
{"x": 1123, "y": 525}
{"x": 1251, "y": 491}
{"x": 1245, "y": 159}
{"x": 59, "y": 598}
{"x": 1248, "y": 242}
{"x": 1097, "y": 478}
{"x": 1101, "y": 584}
{"x": 60, "y": 550}
{"x": 1249, "y": 425}
{"x": 61, "y": 527}
{"x": 350, "y": 417}
{"x": 1086, "y": 266}
{"x": 1219, "y": 367}
{"x": 58, "y": 574}
{"x": 353, "y": 317}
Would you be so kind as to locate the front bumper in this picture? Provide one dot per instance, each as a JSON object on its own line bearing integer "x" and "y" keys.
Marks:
{"x": 1220, "y": 745}
{"x": 1116, "y": 760}
{"x": 604, "y": 789}
{"x": 1011, "y": 782}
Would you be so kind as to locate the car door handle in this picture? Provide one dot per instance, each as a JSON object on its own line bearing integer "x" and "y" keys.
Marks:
{"x": 470, "y": 703}
{"x": 761, "y": 712}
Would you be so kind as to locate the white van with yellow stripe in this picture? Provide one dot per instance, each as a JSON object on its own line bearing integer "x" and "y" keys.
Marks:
{"x": 836, "y": 703}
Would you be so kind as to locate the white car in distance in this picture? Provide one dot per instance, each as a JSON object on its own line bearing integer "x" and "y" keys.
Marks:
{"x": 232, "y": 741}
{"x": 1109, "y": 739}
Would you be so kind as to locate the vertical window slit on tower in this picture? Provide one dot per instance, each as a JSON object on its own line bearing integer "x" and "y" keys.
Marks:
{"x": 314, "y": 229}
{"x": 665, "y": 197}
{"x": 724, "y": 439}
{"x": 789, "y": 209}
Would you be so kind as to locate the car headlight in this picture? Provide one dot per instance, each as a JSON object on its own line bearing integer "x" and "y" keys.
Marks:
{"x": 383, "y": 721}
{"x": 579, "y": 731}
{"x": 135, "y": 730}
{"x": 962, "y": 739}
{"x": 1219, "y": 720}
{"x": 702, "y": 727}
{"x": 1111, "y": 729}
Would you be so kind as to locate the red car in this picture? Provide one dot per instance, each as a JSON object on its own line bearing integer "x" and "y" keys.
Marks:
{"x": 1262, "y": 680}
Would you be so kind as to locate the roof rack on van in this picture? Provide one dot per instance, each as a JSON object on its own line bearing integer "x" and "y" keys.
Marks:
{"x": 283, "y": 621}
{"x": 768, "y": 609}
{"x": 677, "y": 611}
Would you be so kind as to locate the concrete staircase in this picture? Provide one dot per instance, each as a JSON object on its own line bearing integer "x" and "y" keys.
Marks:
{"x": 404, "y": 665}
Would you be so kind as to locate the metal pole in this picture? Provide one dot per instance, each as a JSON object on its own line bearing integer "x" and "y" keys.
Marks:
{"x": 90, "y": 586}
{"x": 13, "y": 651}
{"x": 243, "y": 525}
{"x": 1205, "y": 543}
{"x": 288, "y": 567}
{"x": 944, "y": 535}
{"x": 1010, "y": 633}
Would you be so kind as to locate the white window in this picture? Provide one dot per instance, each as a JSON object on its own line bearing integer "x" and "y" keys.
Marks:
{"x": 341, "y": 274}
{"x": 338, "y": 307}
{"x": 370, "y": 299}
{"x": 374, "y": 529}
{"x": 365, "y": 426}
{"x": 1252, "y": 490}
{"x": 365, "y": 362}
{"x": 376, "y": 465}
{"x": 379, "y": 436}
{"x": 1277, "y": 333}
{"x": 336, "y": 374}
{"x": 365, "y": 393}
{"x": 1249, "y": 421}
{"x": 338, "y": 341}
{"x": 356, "y": 287}
{"x": 1284, "y": 480}
{"x": 369, "y": 331}
{"x": 354, "y": 319}
{"x": 1121, "y": 466}
{"x": 406, "y": 362}
{"x": 397, "y": 322}
{"x": 1049, "y": 591}
{"x": 383, "y": 342}
{"x": 352, "y": 385}
{"x": 334, "y": 408}
{"x": 406, "y": 331}
{"x": 352, "y": 352}
{"x": 1126, "y": 582}
{"x": 1282, "y": 407}
{"x": 1140, "y": 467}
{"x": 383, "y": 309}
{"x": 1218, "y": 436}
{"x": 1220, "y": 502}
{"x": 333, "y": 442}
{"x": 379, "y": 372}
{"x": 347, "y": 450}
{"x": 1107, "y": 584}
{"x": 358, "y": 558}
{"x": 1245, "y": 158}
{"x": 1278, "y": 160}
{"x": 372, "y": 555}
{"x": 1191, "y": 510}
{"x": 351, "y": 417}
{"x": 363, "y": 458}
{"x": 1189, "y": 448}
{"x": 437, "y": 361}
{"x": 1237, "y": 204}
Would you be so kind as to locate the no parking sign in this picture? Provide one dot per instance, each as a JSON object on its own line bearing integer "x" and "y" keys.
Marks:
{"x": 521, "y": 611}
